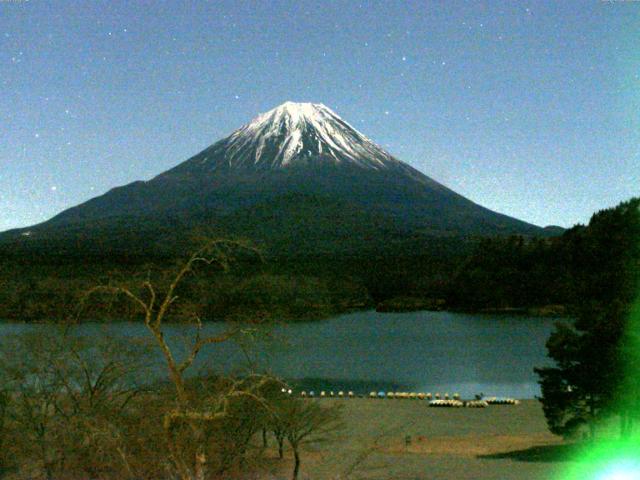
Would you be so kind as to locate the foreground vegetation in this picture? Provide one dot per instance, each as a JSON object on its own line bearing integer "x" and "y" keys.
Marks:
{"x": 74, "y": 409}
{"x": 88, "y": 413}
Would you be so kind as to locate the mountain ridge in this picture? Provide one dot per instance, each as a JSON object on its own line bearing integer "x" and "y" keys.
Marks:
{"x": 296, "y": 148}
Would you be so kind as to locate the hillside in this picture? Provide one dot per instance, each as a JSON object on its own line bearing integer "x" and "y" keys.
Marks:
{"x": 297, "y": 179}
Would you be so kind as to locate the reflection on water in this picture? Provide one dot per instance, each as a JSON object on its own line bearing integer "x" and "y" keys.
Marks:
{"x": 420, "y": 351}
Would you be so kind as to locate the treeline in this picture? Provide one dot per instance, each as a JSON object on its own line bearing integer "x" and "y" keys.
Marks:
{"x": 548, "y": 275}
{"x": 595, "y": 375}
{"x": 50, "y": 296}
{"x": 51, "y": 288}
{"x": 584, "y": 264}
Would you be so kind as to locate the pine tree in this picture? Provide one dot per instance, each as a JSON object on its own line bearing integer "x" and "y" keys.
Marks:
{"x": 595, "y": 356}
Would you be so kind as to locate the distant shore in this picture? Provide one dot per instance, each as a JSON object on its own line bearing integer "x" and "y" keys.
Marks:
{"x": 394, "y": 305}
{"x": 413, "y": 304}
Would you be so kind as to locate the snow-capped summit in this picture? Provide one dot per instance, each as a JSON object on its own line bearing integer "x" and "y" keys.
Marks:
{"x": 296, "y": 134}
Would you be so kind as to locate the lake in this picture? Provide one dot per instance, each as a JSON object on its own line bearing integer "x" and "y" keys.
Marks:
{"x": 363, "y": 351}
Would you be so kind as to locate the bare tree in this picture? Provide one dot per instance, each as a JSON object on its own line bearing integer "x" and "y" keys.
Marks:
{"x": 64, "y": 390}
{"x": 28, "y": 368}
{"x": 303, "y": 421}
{"x": 155, "y": 306}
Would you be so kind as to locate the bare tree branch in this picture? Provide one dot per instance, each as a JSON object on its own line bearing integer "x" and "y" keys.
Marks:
{"x": 213, "y": 252}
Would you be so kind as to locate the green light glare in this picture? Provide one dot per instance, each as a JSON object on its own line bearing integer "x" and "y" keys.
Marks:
{"x": 606, "y": 461}
{"x": 613, "y": 456}
{"x": 621, "y": 470}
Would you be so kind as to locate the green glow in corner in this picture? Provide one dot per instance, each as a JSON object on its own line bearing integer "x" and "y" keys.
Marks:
{"x": 621, "y": 471}
{"x": 606, "y": 461}
{"x": 612, "y": 456}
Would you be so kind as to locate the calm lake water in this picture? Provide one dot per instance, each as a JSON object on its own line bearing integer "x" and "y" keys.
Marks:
{"x": 419, "y": 351}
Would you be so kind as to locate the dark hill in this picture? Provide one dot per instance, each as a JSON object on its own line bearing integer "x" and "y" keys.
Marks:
{"x": 295, "y": 179}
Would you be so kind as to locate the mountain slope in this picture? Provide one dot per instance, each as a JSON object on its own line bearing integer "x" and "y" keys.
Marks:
{"x": 245, "y": 184}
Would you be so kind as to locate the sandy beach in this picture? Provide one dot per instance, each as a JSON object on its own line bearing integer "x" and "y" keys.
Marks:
{"x": 406, "y": 439}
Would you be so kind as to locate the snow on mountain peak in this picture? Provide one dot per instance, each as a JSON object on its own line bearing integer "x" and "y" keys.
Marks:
{"x": 298, "y": 112}
{"x": 301, "y": 133}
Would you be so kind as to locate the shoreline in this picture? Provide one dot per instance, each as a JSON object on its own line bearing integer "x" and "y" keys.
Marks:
{"x": 553, "y": 311}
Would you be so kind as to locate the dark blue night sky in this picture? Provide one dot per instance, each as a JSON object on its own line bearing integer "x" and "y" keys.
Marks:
{"x": 528, "y": 108}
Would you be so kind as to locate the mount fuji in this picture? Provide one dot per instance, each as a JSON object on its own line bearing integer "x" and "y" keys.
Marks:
{"x": 296, "y": 178}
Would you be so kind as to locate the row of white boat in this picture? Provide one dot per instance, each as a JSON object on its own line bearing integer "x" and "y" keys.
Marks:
{"x": 435, "y": 400}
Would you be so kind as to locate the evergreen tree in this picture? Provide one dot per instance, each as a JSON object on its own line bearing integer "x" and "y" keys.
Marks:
{"x": 595, "y": 356}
